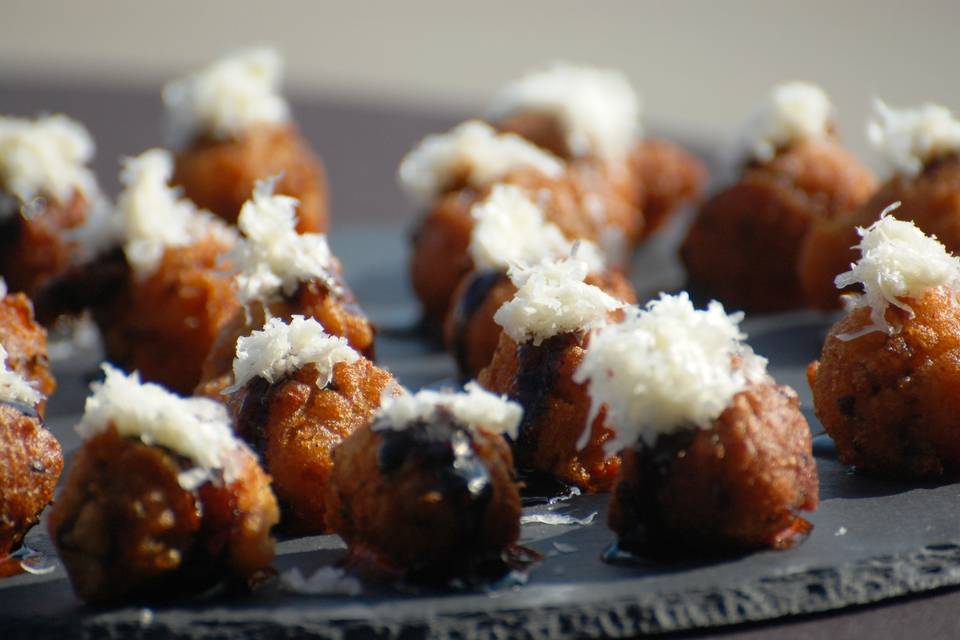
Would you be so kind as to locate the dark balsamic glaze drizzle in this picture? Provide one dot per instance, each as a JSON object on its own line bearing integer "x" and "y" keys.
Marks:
{"x": 254, "y": 413}
{"x": 479, "y": 285}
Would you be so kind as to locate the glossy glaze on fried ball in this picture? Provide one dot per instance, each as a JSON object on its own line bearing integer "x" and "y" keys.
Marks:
{"x": 430, "y": 499}
{"x": 735, "y": 486}
{"x": 891, "y": 402}
{"x": 219, "y": 175}
{"x": 30, "y": 465}
{"x": 744, "y": 246}
{"x": 125, "y": 528}
{"x": 295, "y": 425}
{"x": 555, "y": 410}
{"x": 931, "y": 200}
{"x": 26, "y": 345}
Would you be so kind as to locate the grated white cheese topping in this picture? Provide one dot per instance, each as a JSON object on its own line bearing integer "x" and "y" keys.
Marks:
{"x": 897, "y": 261}
{"x": 597, "y": 109}
{"x": 273, "y": 257}
{"x": 152, "y": 215}
{"x": 45, "y": 157}
{"x": 511, "y": 229}
{"x": 794, "y": 111}
{"x": 280, "y": 349}
{"x": 13, "y": 386}
{"x": 227, "y": 98}
{"x": 474, "y": 407}
{"x": 551, "y": 299}
{"x": 196, "y": 428}
{"x": 3, "y": 288}
{"x": 473, "y": 151}
{"x": 909, "y": 138}
{"x": 667, "y": 367}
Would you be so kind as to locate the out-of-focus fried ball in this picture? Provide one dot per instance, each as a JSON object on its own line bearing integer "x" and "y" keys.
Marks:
{"x": 744, "y": 245}
{"x": 126, "y": 528}
{"x": 668, "y": 177}
{"x": 737, "y": 485}
{"x": 26, "y": 344}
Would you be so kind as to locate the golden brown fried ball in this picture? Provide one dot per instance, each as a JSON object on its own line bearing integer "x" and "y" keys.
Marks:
{"x": 744, "y": 246}
{"x": 931, "y": 201}
{"x": 26, "y": 345}
{"x": 219, "y": 175}
{"x": 125, "y": 528}
{"x": 891, "y": 402}
{"x": 432, "y": 499}
{"x": 470, "y": 333}
{"x": 735, "y": 486}
{"x": 295, "y": 425}
{"x": 555, "y": 410}
{"x": 30, "y": 465}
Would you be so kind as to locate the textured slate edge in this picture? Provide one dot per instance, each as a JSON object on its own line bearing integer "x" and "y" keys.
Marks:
{"x": 803, "y": 592}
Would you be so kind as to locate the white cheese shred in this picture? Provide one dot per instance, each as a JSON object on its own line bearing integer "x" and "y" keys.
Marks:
{"x": 280, "y": 349}
{"x": 597, "y": 109}
{"x": 794, "y": 111}
{"x": 473, "y": 152}
{"x": 225, "y": 99}
{"x": 910, "y": 138}
{"x": 551, "y": 299}
{"x": 667, "y": 367}
{"x": 274, "y": 258}
{"x": 511, "y": 229}
{"x": 14, "y": 387}
{"x": 474, "y": 407}
{"x": 196, "y": 428}
{"x": 897, "y": 261}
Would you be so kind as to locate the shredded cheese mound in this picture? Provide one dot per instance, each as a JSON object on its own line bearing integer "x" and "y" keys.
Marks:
{"x": 472, "y": 151}
{"x": 227, "y": 98}
{"x": 667, "y": 367}
{"x": 551, "y": 299}
{"x": 897, "y": 261}
{"x": 3, "y": 288}
{"x": 280, "y": 349}
{"x": 13, "y": 386}
{"x": 597, "y": 109}
{"x": 909, "y": 138}
{"x": 794, "y": 111}
{"x": 196, "y": 428}
{"x": 46, "y": 157}
{"x": 474, "y": 407}
{"x": 273, "y": 257}
{"x": 511, "y": 229}
{"x": 152, "y": 215}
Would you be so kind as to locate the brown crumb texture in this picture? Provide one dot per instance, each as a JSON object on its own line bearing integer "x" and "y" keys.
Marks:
{"x": 26, "y": 344}
{"x": 668, "y": 177}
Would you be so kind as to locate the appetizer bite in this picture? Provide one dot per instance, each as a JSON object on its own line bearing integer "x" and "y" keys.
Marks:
{"x": 885, "y": 387}
{"x": 231, "y": 127}
{"x": 547, "y": 326}
{"x": 281, "y": 273}
{"x": 161, "y": 499}
{"x": 298, "y": 393}
{"x": 744, "y": 246}
{"x": 716, "y": 456}
{"x": 25, "y": 345}
{"x": 427, "y": 490}
{"x": 923, "y": 147}
{"x": 510, "y": 229}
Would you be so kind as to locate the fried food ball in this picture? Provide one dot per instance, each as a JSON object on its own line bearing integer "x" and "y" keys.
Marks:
{"x": 743, "y": 248}
{"x": 890, "y": 402}
{"x": 931, "y": 200}
{"x": 471, "y": 334}
{"x": 219, "y": 175}
{"x": 26, "y": 345}
{"x": 555, "y": 410}
{"x": 295, "y": 424}
{"x": 434, "y": 498}
{"x": 125, "y": 527}
{"x": 735, "y": 486}
{"x": 669, "y": 177}
{"x": 30, "y": 465}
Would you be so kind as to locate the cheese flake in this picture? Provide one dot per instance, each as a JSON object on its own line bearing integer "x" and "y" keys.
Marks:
{"x": 795, "y": 111}
{"x": 13, "y": 386}
{"x": 474, "y": 407}
{"x": 910, "y": 138}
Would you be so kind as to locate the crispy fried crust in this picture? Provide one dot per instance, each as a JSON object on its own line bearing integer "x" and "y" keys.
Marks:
{"x": 295, "y": 426}
{"x": 30, "y": 465}
{"x": 219, "y": 175}
{"x": 891, "y": 403}
{"x": 26, "y": 344}
{"x": 555, "y": 410}
{"x": 668, "y": 177}
{"x": 737, "y": 485}
{"x": 125, "y": 528}
{"x": 744, "y": 246}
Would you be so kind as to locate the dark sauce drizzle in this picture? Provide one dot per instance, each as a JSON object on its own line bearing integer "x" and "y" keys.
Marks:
{"x": 478, "y": 287}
